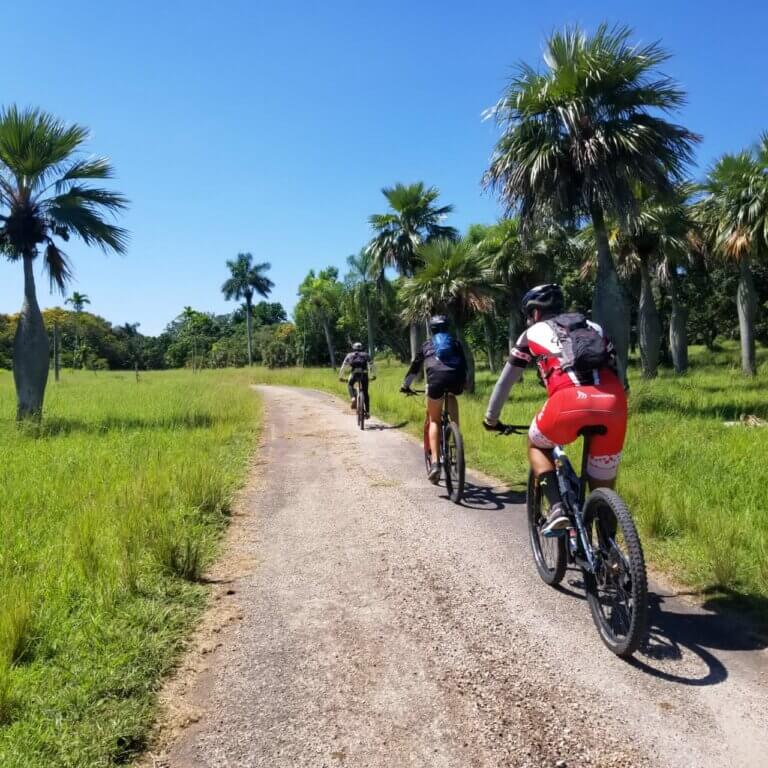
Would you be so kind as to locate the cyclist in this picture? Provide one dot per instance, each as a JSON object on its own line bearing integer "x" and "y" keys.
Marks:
{"x": 577, "y": 365}
{"x": 445, "y": 367}
{"x": 361, "y": 367}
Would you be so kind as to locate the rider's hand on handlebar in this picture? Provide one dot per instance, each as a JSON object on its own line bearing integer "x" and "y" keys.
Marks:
{"x": 497, "y": 427}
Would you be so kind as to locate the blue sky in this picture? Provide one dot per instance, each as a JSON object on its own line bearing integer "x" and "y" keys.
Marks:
{"x": 271, "y": 127}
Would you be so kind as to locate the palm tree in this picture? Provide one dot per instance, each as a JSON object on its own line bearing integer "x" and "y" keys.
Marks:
{"x": 322, "y": 295}
{"x": 734, "y": 217}
{"x": 362, "y": 289}
{"x": 453, "y": 279}
{"x": 655, "y": 240}
{"x": 247, "y": 278}
{"x": 78, "y": 302}
{"x": 578, "y": 137}
{"x": 413, "y": 218}
{"x": 46, "y": 197}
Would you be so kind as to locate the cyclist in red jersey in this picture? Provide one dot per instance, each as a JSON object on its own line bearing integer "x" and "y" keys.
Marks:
{"x": 578, "y": 394}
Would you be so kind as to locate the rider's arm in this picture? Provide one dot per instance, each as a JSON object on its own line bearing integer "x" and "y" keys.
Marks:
{"x": 511, "y": 373}
{"x": 414, "y": 370}
{"x": 344, "y": 364}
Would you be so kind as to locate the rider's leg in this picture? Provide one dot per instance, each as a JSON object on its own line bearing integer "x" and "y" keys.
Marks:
{"x": 351, "y": 390}
{"x": 434, "y": 413}
{"x": 540, "y": 457}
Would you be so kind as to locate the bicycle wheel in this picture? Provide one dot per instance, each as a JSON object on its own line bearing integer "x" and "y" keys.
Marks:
{"x": 454, "y": 462}
{"x": 548, "y": 551}
{"x": 360, "y": 408}
{"x": 618, "y": 592}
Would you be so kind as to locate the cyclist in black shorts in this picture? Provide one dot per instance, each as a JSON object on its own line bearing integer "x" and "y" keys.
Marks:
{"x": 361, "y": 367}
{"x": 446, "y": 371}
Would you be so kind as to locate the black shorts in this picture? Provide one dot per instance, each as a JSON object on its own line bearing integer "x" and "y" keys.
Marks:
{"x": 441, "y": 382}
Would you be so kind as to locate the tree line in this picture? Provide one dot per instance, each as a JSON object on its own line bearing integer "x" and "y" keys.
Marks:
{"x": 597, "y": 186}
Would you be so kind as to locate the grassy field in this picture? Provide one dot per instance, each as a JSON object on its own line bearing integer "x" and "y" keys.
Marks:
{"x": 696, "y": 487}
{"x": 106, "y": 519}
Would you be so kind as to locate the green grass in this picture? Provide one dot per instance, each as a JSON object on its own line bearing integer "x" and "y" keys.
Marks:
{"x": 107, "y": 517}
{"x": 696, "y": 487}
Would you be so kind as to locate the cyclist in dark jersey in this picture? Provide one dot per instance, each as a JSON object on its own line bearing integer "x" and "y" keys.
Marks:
{"x": 577, "y": 396}
{"x": 361, "y": 367}
{"x": 445, "y": 367}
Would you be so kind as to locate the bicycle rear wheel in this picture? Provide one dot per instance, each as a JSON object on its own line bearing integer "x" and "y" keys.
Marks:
{"x": 360, "y": 408}
{"x": 548, "y": 551}
{"x": 454, "y": 462}
{"x": 618, "y": 592}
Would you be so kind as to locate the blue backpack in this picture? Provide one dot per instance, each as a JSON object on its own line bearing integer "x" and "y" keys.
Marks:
{"x": 447, "y": 350}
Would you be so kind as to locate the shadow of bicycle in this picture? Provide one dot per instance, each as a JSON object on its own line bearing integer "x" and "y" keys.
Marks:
{"x": 490, "y": 498}
{"x": 681, "y": 645}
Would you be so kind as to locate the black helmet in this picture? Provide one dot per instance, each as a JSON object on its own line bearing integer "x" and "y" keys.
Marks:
{"x": 357, "y": 346}
{"x": 438, "y": 323}
{"x": 548, "y": 298}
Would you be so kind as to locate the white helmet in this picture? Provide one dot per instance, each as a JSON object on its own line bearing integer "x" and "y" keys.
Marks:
{"x": 357, "y": 346}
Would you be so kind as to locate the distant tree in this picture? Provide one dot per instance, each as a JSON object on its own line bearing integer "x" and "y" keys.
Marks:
{"x": 78, "y": 302}
{"x": 413, "y": 218}
{"x": 247, "y": 278}
{"x": 320, "y": 300}
{"x": 734, "y": 217}
{"x": 454, "y": 280}
{"x": 46, "y": 196}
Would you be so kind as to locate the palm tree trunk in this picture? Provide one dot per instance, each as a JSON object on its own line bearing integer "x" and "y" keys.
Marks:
{"x": 678, "y": 334}
{"x": 648, "y": 324}
{"x": 414, "y": 338}
{"x": 608, "y": 306}
{"x": 488, "y": 329}
{"x": 249, "y": 329}
{"x": 369, "y": 324}
{"x": 514, "y": 327}
{"x": 329, "y": 341}
{"x": 469, "y": 356}
{"x": 745, "y": 304}
{"x": 30, "y": 352}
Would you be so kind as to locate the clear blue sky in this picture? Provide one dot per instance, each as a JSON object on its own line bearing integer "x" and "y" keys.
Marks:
{"x": 271, "y": 127}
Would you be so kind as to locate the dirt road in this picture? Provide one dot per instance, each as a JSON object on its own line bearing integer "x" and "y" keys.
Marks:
{"x": 374, "y": 623}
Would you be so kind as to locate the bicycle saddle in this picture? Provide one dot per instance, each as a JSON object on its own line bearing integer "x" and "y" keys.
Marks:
{"x": 593, "y": 429}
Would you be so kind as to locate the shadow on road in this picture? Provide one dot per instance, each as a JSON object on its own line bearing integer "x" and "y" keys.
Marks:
{"x": 490, "y": 498}
{"x": 671, "y": 633}
{"x": 382, "y": 427}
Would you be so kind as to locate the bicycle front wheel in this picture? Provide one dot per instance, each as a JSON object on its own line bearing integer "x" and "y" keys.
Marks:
{"x": 618, "y": 592}
{"x": 548, "y": 551}
{"x": 454, "y": 462}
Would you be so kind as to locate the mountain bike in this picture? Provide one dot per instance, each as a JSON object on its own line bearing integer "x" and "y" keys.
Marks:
{"x": 359, "y": 402}
{"x": 451, "y": 450}
{"x": 602, "y": 540}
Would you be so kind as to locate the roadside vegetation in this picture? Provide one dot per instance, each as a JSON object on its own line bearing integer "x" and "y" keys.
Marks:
{"x": 693, "y": 483}
{"x": 109, "y": 512}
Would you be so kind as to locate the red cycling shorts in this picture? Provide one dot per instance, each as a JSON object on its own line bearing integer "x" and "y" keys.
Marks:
{"x": 570, "y": 409}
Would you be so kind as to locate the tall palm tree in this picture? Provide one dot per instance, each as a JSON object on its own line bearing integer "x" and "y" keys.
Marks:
{"x": 453, "y": 279}
{"x": 78, "y": 302}
{"x": 360, "y": 281}
{"x": 734, "y": 217}
{"x": 413, "y": 218}
{"x": 247, "y": 278}
{"x": 46, "y": 197}
{"x": 577, "y": 137}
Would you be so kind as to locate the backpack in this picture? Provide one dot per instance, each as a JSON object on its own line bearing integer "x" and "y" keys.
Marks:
{"x": 447, "y": 350}
{"x": 358, "y": 360}
{"x": 583, "y": 348}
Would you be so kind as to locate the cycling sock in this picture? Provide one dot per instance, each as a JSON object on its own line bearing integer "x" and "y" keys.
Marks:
{"x": 548, "y": 484}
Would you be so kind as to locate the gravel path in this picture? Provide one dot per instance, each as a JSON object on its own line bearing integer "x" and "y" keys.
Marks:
{"x": 364, "y": 620}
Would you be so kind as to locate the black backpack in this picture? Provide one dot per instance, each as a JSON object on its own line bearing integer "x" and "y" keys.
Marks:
{"x": 359, "y": 360}
{"x": 583, "y": 348}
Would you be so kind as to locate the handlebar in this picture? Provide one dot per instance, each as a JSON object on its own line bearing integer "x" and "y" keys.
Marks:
{"x": 408, "y": 392}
